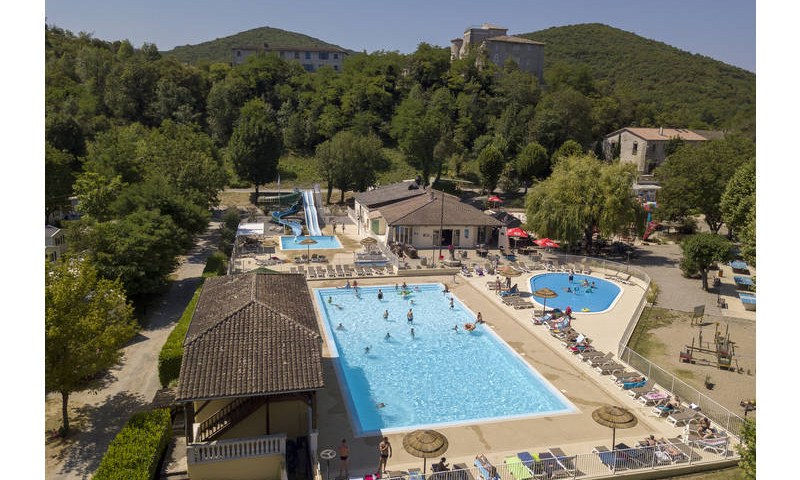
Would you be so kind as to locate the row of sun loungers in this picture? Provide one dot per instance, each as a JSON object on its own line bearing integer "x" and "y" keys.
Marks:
{"x": 624, "y": 457}
{"x": 624, "y": 278}
{"x": 340, "y": 271}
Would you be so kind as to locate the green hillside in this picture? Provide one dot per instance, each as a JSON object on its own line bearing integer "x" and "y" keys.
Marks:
{"x": 655, "y": 75}
{"x": 219, "y": 50}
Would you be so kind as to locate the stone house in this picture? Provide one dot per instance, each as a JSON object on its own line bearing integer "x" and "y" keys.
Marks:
{"x": 646, "y": 147}
{"x": 499, "y": 47}
{"x": 311, "y": 58}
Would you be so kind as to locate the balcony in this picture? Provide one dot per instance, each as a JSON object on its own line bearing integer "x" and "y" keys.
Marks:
{"x": 234, "y": 449}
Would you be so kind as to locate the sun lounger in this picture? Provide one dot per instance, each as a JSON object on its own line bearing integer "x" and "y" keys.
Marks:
{"x": 609, "y": 367}
{"x": 486, "y": 470}
{"x": 461, "y": 471}
{"x": 591, "y": 355}
{"x": 615, "y": 460}
{"x": 551, "y": 467}
{"x": 415, "y": 474}
{"x": 630, "y": 384}
{"x": 624, "y": 375}
{"x": 527, "y": 459}
{"x": 613, "y": 276}
{"x": 653, "y": 397}
{"x": 518, "y": 470}
{"x": 685, "y": 451}
{"x": 646, "y": 388}
{"x": 681, "y": 417}
{"x": 567, "y": 462}
{"x": 598, "y": 361}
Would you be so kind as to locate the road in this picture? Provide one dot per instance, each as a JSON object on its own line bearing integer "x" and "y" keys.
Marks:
{"x": 96, "y": 417}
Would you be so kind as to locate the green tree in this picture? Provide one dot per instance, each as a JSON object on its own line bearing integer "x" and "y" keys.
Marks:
{"x": 747, "y": 238}
{"x": 96, "y": 193}
{"x": 582, "y": 195}
{"x": 87, "y": 320}
{"x": 694, "y": 178}
{"x": 739, "y": 197}
{"x": 560, "y": 116}
{"x": 747, "y": 449}
{"x": 428, "y": 65}
{"x": 700, "y": 251}
{"x": 569, "y": 148}
{"x": 532, "y": 163}
{"x": 509, "y": 180}
{"x": 225, "y": 100}
{"x": 256, "y": 144}
{"x": 58, "y": 177}
{"x": 417, "y": 130}
{"x": 490, "y": 164}
{"x": 350, "y": 161}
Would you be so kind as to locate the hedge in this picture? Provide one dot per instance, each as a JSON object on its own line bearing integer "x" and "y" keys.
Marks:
{"x": 136, "y": 451}
{"x": 169, "y": 359}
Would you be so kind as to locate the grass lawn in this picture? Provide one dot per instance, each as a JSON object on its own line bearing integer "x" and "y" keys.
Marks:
{"x": 644, "y": 342}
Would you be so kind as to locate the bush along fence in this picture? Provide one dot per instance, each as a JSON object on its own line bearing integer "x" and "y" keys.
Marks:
{"x": 136, "y": 451}
{"x": 169, "y": 359}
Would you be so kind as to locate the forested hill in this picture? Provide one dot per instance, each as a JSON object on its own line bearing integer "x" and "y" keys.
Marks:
{"x": 219, "y": 50}
{"x": 693, "y": 89}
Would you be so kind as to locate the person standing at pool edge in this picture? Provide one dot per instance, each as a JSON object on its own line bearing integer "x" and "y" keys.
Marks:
{"x": 380, "y": 294}
{"x": 385, "y": 452}
{"x": 344, "y": 453}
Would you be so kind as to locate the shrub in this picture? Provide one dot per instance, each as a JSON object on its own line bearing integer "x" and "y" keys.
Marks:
{"x": 217, "y": 264}
{"x": 136, "y": 451}
{"x": 169, "y": 359}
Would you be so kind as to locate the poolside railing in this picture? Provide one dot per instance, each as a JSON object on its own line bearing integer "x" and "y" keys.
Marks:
{"x": 717, "y": 413}
{"x": 622, "y": 461}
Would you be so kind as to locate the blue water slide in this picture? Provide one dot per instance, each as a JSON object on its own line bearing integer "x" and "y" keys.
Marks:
{"x": 297, "y": 227}
{"x": 311, "y": 213}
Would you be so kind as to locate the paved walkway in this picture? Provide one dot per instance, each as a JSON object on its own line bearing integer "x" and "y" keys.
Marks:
{"x": 98, "y": 416}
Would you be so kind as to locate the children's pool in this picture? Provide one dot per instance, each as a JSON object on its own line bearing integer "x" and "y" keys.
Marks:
{"x": 436, "y": 377}
{"x": 289, "y": 242}
{"x": 575, "y": 294}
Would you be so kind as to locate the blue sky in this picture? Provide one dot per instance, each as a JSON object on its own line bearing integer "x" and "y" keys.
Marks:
{"x": 721, "y": 29}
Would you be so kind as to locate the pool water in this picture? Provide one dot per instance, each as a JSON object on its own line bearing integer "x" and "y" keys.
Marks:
{"x": 581, "y": 299}
{"x": 439, "y": 376}
{"x": 289, "y": 242}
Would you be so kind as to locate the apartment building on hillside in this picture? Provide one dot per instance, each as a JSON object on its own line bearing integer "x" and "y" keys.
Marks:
{"x": 646, "y": 147}
{"x": 311, "y": 58}
{"x": 499, "y": 47}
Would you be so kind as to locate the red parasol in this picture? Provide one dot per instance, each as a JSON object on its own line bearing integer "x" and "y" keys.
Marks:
{"x": 495, "y": 199}
{"x": 546, "y": 242}
{"x": 517, "y": 232}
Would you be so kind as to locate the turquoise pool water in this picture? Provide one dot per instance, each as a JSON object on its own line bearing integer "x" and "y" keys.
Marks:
{"x": 582, "y": 299}
{"x": 289, "y": 242}
{"x": 439, "y": 376}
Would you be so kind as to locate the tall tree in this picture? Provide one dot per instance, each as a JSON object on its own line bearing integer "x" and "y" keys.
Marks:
{"x": 490, "y": 164}
{"x": 417, "y": 129}
{"x": 700, "y": 251}
{"x": 570, "y": 148}
{"x": 532, "y": 163}
{"x": 562, "y": 115}
{"x": 350, "y": 161}
{"x": 256, "y": 144}
{"x": 87, "y": 320}
{"x": 694, "y": 178}
{"x": 582, "y": 195}
{"x": 739, "y": 197}
{"x": 58, "y": 177}
{"x": 747, "y": 449}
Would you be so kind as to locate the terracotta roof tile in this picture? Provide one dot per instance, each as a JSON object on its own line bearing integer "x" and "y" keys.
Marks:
{"x": 424, "y": 211}
{"x": 389, "y": 194}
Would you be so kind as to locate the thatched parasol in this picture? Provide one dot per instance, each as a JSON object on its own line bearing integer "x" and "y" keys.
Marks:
{"x": 308, "y": 241}
{"x": 545, "y": 293}
{"x": 507, "y": 271}
{"x": 368, "y": 242}
{"x": 614, "y": 418}
{"x": 425, "y": 444}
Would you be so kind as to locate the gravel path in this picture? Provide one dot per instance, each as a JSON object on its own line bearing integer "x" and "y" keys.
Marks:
{"x": 96, "y": 417}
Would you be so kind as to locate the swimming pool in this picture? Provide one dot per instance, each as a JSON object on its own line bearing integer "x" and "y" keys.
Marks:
{"x": 580, "y": 298}
{"x": 289, "y": 242}
{"x": 439, "y": 376}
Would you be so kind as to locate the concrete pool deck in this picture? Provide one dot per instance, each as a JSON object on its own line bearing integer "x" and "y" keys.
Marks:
{"x": 575, "y": 433}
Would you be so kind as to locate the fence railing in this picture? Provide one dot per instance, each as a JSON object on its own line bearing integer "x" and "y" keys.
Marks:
{"x": 621, "y": 461}
{"x": 239, "y": 448}
{"x": 720, "y": 415}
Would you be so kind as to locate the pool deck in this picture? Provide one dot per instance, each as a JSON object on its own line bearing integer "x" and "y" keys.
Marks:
{"x": 575, "y": 433}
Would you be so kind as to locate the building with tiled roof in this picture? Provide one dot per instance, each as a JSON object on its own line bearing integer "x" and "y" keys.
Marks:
{"x": 427, "y": 219}
{"x": 500, "y": 47}
{"x": 252, "y": 364}
{"x": 646, "y": 147}
{"x": 312, "y": 58}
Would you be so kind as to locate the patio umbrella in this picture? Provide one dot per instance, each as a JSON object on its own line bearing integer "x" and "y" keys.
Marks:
{"x": 494, "y": 199}
{"x": 545, "y": 293}
{"x": 614, "y": 418}
{"x": 308, "y": 241}
{"x": 516, "y": 233}
{"x": 425, "y": 444}
{"x": 546, "y": 242}
{"x": 368, "y": 242}
{"x": 508, "y": 272}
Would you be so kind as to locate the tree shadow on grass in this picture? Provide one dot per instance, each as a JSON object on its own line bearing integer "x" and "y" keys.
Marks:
{"x": 80, "y": 453}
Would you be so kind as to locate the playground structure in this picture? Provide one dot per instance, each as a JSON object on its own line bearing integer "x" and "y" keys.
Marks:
{"x": 303, "y": 198}
{"x": 722, "y": 355}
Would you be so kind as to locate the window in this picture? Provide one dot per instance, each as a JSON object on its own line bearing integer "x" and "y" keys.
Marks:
{"x": 336, "y": 67}
{"x": 238, "y": 53}
{"x": 309, "y": 67}
{"x": 308, "y": 55}
{"x": 466, "y": 233}
{"x": 323, "y": 55}
{"x": 336, "y": 56}
{"x": 403, "y": 234}
{"x": 635, "y": 148}
{"x": 281, "y": 54}
{"x": 297, "y": 55}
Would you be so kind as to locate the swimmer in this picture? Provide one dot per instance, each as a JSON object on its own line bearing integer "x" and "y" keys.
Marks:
{"x": 380, "y": 405}
{"x": 385, "y": 314}
{"x": 455, "y": 328}
{"x": 410, "y": 316}
{"x": 395, "y": 287}
{"x": 585, "y": 283}
{"x": 366, "y": 350}
{"x": 593, "y": 285}
{"x": 388, "y": 336}
{"x": 451, "y": 302}
{"x": 411, "y": 301}
{"x": 355, "y": 283}
{"x": 479, "y": 319}
{"x": 568, "y": 290}
{"x": 416, "y": 288}
{"x": 347, "y": 284}
{"x": 330, "y": 299}
{"x": 412, "y": 332}
{"x": 380, "y": 294}
{"x": 405, "y": 286}
{"x": 340, "y": 327}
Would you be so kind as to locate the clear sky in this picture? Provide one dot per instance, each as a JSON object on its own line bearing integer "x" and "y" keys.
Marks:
{"x": 721, "y": 29}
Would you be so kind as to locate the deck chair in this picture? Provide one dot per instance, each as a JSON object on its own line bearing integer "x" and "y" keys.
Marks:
{"x": 551, "y": 467}
{"x": 614, "y": 276}
{"x": 682, "y": 417}
{"x": 593, "y": 354}
{"x": 486, "y": 470}
{"x": 461, "y": 471}
{"x": 567, "y": 462}
{"x": 684, "y": 452}
{"x": 415, "y": 474}
{"x": 653, "y": 398}
{"x": 339, "y": 270}
{"x": 718, "y": 445}
{"x": 626, "y": 279}
{"x": 598, "y": 361}
{"x": 618, "y": 377}
{"x": 648, "y": 387}
{"x": 609, "y": 367}
{"x": 311, "y": 273}
{"x": 517, "y": 469}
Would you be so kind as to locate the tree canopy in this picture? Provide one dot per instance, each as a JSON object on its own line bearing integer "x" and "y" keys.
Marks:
{"x": 582, "y": 195}
{"x": 256, "y": 144}
{"x": 87, "y": 320}
{"x": 700, "y": 251}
